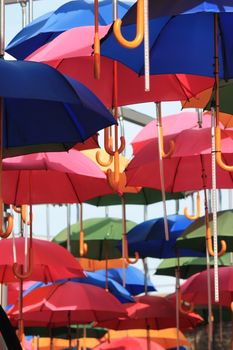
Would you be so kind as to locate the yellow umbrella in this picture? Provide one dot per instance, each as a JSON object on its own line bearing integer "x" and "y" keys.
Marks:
{"x": 57, "y": 344}
{"x": 165, "y": 337}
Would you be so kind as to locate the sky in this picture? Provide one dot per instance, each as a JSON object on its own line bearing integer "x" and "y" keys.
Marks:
{"x": 57, "y": 214}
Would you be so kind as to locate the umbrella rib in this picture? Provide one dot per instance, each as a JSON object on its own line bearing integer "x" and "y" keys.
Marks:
{"x": 74, "y": 189}
{"x": 182, "y": 88}
{"x": 175, "y": 175}
{"x": 17, "y": 186}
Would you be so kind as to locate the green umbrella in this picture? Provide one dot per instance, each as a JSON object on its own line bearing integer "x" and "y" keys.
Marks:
{"x": 76, "y": 331}
{"x": 225, "y": 95}
{"x": 194, "y": 237}
{"x": 189, "y": 266}
{"x": 144, "y": 197}
{"x": 101, "y": 236}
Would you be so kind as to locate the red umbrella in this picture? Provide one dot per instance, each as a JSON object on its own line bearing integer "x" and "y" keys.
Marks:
{"x": 154, "y": 313}
{"x": 128, "y": 344}
{"x": 50, "y": 261}
{"x": 64, "y": 177}
{"x": 192, "y": 289}
{"x": 68, "y": 303}
{"x": 73, "y": 57}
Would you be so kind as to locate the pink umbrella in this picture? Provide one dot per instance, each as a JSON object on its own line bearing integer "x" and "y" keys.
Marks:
{"x": 128, "y": 344}
{"x": 72, "y": 56}
{"x": 183, "y": 170}
{"x": 65, "y": 177}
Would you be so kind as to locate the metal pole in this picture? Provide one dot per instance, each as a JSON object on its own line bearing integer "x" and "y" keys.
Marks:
{"x": 24, "y": 14}
{"x": 230, "y": 202}
{"x": 2, "y": 28}
{"x": 68, "y": 228}
{"x": 30, "y": 10}
{"x": 47, "y": 222}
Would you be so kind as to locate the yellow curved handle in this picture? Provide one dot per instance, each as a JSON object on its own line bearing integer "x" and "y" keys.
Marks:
{"x": 218, "y": 151}
{"x": 97, "y": 56}
{"x": 194, "y": 217}
{"x": 171, "y": 145}
{"x": 83, "y": 247}
{"x": 210, "y": 246}
{"x": 188, "y": 308}
{"x": 139, "y": 31}
{"x": 9, "y": 229}
{"x": 16, "y": 268}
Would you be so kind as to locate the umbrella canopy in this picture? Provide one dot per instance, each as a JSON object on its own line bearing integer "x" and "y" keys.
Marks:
{"x": 192, "y": 289}
{"x": 64, "y": 177}
{"x": 45, "y": 100}
{"x": 134, "y": 279}
{"x": 57, "y": 305}
{"x": 93, "y": 265}
{"x": 183, "y": 171}
{"x": 179, "y": 32}
{"x": 101, "y": 235}
{"x": 164, "y": 337}
{"x": 188, "y": 266}
{"x": 128, "y": 343}
{"x": 148, "y": 238}
{"x": 70, "y": 15}
{"x": 50, "y": 262}
{"x": 194, "y": 235}
{"x": 73, "y": 57}
{"x": 152, "y": 312}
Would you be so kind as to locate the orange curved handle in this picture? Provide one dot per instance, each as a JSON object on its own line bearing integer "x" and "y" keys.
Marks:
{"x": 101, "y": 162}
{"x": 23, "y": 213}
{"x": 122, "y": 145}
{"x": 83, "y": 247}
{"x": 139, "y": 31}
{"x": 108, "y": 145}
{"x": 210, "y": 246}
{"x": 188, "y": 308}
{"x": 97, "y": 56}
{"x": 126, "y": 253}
{"x": 194, "y": 217}
{"x": 17, "y": 210}
{"x": 171, "y": 145}
{"x": 16, "y": 268}
{"x": 231, "y": 306}
{"x": 218, "y": 151}
{"x": 9, "y": 229}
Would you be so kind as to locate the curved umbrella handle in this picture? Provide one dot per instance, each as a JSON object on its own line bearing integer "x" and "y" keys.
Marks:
{"x": 108, "y": 145}
{"x": 139, "y": 31}
{"x": 9, "y": 228}
{"x": 101, "y": 162}
{"x": 126, "y": 253}
{"x": 210, "y": 246}
{"x": 188, "y": 308}
{"x": 17, "y": 267}
{"x": 17, "y": 210}
{"x": 218, "y": 151}
{"x": 171, "y": 144}
{"x": 83, "y": 247}
{"x": 96, "y": 44}
{"x": 23, "y": 213}
{"x": 194, "y": 217}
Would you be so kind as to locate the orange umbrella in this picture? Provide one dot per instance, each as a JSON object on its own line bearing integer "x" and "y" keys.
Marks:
{"x": 94, "y": 265}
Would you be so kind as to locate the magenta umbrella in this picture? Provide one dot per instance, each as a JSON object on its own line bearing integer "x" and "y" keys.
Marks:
{"x": 71, "y": 51}
{"x": 64, "y": 177}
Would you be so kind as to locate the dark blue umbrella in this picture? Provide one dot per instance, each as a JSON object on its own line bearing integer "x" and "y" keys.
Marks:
{"x": 148, "y": 238}
{"x": 134, "y": 282}
{"x": 178, "y": 43}
{"x": 45, "y": 110}
{"x": 72, "y": 14}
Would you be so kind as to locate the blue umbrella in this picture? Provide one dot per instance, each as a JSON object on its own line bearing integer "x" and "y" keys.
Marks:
{"x": 134, "y": 279}
{"x": 148, "y": 238}
{"x": 95, "y": 279}
{"x": 72, "y": 14}
{"x": 178, "y": 43}
{"x": 45, "y": 110}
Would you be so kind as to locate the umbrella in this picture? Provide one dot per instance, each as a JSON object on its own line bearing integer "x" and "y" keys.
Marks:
{"x": 94, "y": 265}
{"x": 195, "y": 235}
{"x": 192, "y": 289}
{"x": 50, "y": 261}
{"x": 128, "y": 343}
{"x": 101, "y": 235}
{"x": 54, "y": 177}
{"x": 188, "y": 266}
{"x": 164, "y": 337}
{"x": 42, "y": 101}
{"x": 147, "y": 238}
{"x": 134, "y": 281}
{"x": 57, "y": 305}
{"x": 70, "y": 15}
{"x": 73, "y": 57}
{"x": 152, "y": 312}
